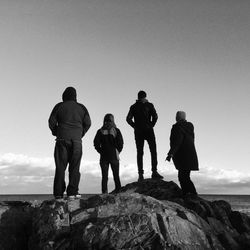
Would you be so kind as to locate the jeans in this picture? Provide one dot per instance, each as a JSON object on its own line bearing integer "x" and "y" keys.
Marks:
{"x": 187, "y": 185}
{"x": 140, "y": 137}
{"x": 67, "y": 152}
{"x": 105, "y": 169}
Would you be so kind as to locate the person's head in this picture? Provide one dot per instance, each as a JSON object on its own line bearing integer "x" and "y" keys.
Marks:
{"x": 69, "y": 94}
{"x": 109, "y": 120}
{"x": 180, "y": 115}
{"x": 141, "y": 95}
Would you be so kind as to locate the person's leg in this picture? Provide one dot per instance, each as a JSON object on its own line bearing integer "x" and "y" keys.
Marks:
{"x": 182, "y": 176}
{"x": 191, "y": 186}
{"x": 105, "y": 172}
{"x": 186, "y": 184}
{"x": 74, "y": 167}
{"x": 139, "y": 140}
{"x": 150, "y": 137}
{"x": 115, "y": 170}
{"x": 61, "y": 161}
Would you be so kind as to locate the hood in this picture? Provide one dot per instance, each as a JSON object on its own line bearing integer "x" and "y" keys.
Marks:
{"x": 186, "y": 127}
{"x": 69, "y": 94}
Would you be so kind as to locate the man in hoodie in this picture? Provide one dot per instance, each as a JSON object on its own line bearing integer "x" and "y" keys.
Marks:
{"x": 69, "y": 121}
{"x": 182, "y": 151}
{"x": 142, "y": 117}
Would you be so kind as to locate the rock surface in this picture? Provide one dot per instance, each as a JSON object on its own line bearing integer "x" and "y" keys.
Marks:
{"x": 146, "y": 215}
{"x": 15, "y": 225}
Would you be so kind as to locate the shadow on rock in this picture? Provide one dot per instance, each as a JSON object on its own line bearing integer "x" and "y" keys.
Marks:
{"x": 15, "y": 225}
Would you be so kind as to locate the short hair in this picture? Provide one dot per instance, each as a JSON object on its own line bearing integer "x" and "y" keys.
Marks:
{"x": 141, "y": 94}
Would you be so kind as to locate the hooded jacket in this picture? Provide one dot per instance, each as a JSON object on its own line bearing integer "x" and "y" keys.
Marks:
{"x": 142, "y": 115}
{"x": 182, "y": 146}
{"x": 69, "y": 119}
{"x": 108, "y": 141}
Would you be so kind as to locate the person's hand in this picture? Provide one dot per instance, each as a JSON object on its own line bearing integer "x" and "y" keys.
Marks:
{"x": 168, "y": 158}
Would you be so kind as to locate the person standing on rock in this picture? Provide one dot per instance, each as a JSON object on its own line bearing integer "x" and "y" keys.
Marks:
{"x": 182, "y": 151}
{"x": 142, "y": 117}
{"x": 108, "y": 142}
{"x": 69, "y": 121}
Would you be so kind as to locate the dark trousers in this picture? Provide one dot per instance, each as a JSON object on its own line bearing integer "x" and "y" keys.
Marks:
{"x": 140, "y": 137}
{"x": 105, "y": 170}
{"x": 67, "y": 152}
{"x": 187, "y": 185}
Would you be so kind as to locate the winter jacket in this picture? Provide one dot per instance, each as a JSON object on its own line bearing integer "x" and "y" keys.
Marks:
{"x": 142, "y": 115}
{"x": 69, "y": 119}
{"x": 182, "y": 146}
{"x": 108, "y": 143}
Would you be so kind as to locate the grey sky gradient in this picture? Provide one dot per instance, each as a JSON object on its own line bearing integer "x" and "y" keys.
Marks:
{"x": 187, "y": 55}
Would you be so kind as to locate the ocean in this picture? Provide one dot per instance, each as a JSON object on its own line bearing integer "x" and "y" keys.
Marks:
{"x": 239, "y": 203}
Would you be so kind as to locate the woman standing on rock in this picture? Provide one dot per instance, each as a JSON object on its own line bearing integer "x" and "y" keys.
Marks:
{"x": 182, "y": 151}
{"x": 108, "y": 142}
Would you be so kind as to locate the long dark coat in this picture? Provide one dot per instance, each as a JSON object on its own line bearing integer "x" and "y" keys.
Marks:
{"x": 182, "y": 146}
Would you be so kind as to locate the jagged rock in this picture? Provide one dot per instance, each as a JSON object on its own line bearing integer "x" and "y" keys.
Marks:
{"x": 123, "y": 221}
{"x": 227, "y": 225}
{"x": 15, "y": 225}
{"x": 150, "y": 215}
{"x": 159, "y": 189}
{"x": 241, "y": 222}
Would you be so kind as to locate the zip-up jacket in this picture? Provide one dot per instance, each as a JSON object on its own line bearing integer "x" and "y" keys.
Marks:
{"x": 142, "y": 115}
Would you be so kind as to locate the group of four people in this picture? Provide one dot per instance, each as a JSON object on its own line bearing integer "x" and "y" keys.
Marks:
{"x": 69, "y": 121}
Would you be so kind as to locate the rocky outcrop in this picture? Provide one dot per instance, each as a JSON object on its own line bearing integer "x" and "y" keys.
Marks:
{"x": 146, "y": 215}
{"x": 15, "y": 225}
{"x": 123, "y": 221}
{"x": 231, "y": 228}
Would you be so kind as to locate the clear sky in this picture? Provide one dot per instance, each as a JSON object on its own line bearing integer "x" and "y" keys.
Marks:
{"x": 187, "y": 55}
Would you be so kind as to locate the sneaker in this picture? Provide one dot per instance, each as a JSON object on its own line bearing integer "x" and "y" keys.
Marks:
{"x": 73, "y": 197}
{"x": 78, "y": 196}
{"x": 141, "y": 178}
{"x": 156, "y": 175}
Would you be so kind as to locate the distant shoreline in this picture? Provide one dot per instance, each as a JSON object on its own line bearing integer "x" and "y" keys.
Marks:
{"x": 32, "y": 197}
{"x": 239, "y": 203}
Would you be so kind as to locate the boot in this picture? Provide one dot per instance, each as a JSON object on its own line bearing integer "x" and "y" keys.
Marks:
{"x": 156, "y": 175}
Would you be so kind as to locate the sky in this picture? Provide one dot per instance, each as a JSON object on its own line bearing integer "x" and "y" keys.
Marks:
{"x": 187, "y": 55}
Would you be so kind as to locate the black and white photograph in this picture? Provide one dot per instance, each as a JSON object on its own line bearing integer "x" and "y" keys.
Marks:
{"x": 124, "y": 124}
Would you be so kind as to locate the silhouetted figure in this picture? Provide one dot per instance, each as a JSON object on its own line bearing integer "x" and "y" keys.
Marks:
{"x": 142, "y": 117}
{"x": 69, "y": 121}
{"x": 108, "y": 142}
{"x": 182, "y": 150}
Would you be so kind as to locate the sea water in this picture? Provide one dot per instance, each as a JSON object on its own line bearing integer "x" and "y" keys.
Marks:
{"x": 239, "y": 203}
